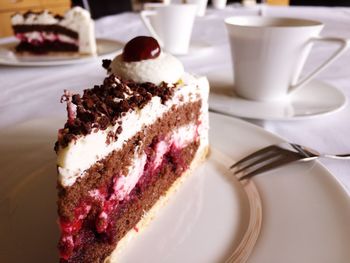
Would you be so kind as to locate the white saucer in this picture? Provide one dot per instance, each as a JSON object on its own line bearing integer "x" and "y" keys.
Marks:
{"x": 10, "y": 58}
{"x": 315, "y": 99}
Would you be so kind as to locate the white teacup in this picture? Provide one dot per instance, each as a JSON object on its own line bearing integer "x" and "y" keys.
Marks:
{"x": 171, "y": 25}
{"x": 269, "y": 54}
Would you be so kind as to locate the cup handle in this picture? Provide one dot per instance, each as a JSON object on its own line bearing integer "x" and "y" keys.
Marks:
{"x": 343, "y": 45}
{"x": 145, "y": 14}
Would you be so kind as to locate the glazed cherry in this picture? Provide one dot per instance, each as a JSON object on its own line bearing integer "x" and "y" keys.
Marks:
{"x": 141, "y": 48}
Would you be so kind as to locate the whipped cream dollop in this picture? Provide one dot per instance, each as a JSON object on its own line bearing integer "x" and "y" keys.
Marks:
{"x": 143, "y": 61}
{"x": 165, "y": 68}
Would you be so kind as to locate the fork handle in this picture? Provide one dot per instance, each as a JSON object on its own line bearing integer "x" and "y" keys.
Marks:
{"x": 337, "y": 156}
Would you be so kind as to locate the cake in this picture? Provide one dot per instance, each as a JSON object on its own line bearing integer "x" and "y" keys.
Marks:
{"x": 43, "y": 32}
{"x": 126, "y": 146}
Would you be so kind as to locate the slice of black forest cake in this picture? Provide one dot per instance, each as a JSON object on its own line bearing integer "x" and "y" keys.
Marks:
{"x": 127, "y": 144}
{"x": 43, "y": 32}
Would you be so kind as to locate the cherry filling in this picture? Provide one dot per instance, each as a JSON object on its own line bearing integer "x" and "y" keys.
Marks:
{"x": 95, "y": 216}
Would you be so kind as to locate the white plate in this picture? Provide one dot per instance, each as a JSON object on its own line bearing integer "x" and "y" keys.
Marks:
{"x": 305, "y": 210}
{"x": 315, "y": 99}
{"x": 9, "y": 57}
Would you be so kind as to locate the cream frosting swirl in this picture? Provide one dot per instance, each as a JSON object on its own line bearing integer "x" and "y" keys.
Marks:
{"x": 165, "y": 68}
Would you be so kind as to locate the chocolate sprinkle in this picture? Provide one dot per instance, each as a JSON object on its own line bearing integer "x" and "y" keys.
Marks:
{"x": 105, "y": 104}
{"x": 106, "y": 63}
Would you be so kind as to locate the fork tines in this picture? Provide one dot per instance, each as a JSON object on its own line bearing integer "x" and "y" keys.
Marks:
{"x": 263, "y": 160}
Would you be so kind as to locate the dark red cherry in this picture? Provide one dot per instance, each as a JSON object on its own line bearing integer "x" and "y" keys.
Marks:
{"x": 141, "y": 48}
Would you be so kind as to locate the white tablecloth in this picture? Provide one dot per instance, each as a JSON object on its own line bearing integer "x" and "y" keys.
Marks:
{"x": 31, "y": 93}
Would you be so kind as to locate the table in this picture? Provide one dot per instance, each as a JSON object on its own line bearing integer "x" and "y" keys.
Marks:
{"x": 31, "y": 93}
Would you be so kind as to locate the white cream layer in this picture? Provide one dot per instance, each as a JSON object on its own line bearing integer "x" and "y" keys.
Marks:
{"x": 126, "y": 183}
{"x": 76, "y": 19}
{"x": 79, "y": 155}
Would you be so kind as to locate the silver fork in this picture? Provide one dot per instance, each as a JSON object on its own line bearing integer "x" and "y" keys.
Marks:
{"x": 274, "y": 156}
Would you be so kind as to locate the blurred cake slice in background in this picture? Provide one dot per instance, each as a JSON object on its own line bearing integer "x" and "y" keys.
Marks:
{"x": 44, "y": 32}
